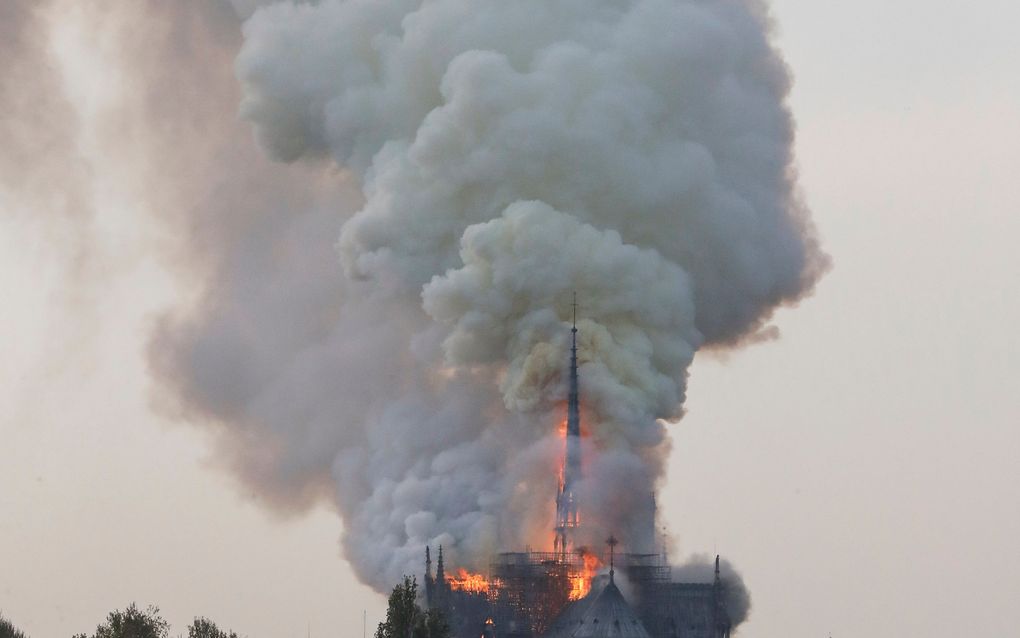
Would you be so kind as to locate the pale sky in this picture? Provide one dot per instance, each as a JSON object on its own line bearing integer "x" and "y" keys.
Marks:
{"x": 861, "y": 471}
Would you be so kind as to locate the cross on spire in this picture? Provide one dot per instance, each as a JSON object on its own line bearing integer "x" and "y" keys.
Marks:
{"x": 612, "y": 542}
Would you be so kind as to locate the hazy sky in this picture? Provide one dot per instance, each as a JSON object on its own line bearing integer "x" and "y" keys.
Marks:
{"x": 861, "y": 471}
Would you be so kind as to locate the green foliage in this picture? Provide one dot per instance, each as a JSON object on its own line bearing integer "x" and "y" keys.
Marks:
{"x": 132, "y": 623}
{"x": 8, "y": 630}
{"x": 401, "y": 611}
{"x": 405, "y": 619}
{"x": 432, "y": 624}
{"x": 205, "y": 628}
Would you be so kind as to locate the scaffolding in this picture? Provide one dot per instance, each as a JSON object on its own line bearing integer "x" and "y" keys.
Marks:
{"x": 527, "y": 594}
{"x": 531, "y": 589}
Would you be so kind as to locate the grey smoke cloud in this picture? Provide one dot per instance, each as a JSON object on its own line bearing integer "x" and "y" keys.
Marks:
{"x": 382, "y": 324}
{"x": 43, "y": 175}
{"x": 510, "y": 154}
{"x": 701, "y": 569}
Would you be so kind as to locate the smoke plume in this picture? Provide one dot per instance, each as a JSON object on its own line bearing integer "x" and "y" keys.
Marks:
{"x": 507, "y": 154}
{"x": 43, "y": 175}
{"x": 701, "y": 568}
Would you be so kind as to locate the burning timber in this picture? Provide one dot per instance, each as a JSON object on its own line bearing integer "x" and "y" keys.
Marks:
{"x": 566, "y": 593}
{"x": 537, "y": 594}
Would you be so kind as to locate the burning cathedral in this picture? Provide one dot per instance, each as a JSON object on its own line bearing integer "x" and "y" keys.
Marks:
{"x": 567, "y": 592}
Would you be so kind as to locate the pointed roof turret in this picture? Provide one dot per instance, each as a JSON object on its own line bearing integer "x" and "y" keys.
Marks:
{"x": 440, "y": 571}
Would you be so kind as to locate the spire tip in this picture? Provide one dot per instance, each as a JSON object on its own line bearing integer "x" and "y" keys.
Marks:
{"x": 574, "y": 307}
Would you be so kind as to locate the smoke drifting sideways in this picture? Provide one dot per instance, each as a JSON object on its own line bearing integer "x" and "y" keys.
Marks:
{"x": 42, "y": 174}
{"x": 506, "y": 154}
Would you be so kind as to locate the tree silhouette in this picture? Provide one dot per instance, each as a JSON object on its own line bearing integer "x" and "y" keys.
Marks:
{"x": 8, "y": 630}
{"x": 205, "y": 628}
{"x": 405, "y": 619}
{"x": 132, "y": 623}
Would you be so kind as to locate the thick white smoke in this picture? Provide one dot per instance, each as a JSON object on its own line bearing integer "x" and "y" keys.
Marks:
{"x": 509, "y": 153}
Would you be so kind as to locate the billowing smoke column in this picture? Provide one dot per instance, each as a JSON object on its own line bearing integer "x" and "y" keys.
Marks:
{"x": 509, "y": 153}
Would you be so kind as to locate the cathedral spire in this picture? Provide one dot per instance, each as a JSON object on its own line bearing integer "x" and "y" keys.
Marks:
{"x": 573, "y": 400}
{"x": 566, "y": 500}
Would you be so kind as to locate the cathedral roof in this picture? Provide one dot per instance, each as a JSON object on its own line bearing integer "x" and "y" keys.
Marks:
{"x": 608, "y": 616}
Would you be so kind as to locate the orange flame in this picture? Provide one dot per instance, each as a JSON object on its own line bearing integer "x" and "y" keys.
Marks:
{"x": 580, "y": 583}
{"x": 472, "y": 583}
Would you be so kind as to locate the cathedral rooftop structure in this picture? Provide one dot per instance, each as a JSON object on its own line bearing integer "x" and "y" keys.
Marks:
{"x": 608, "y": 616}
